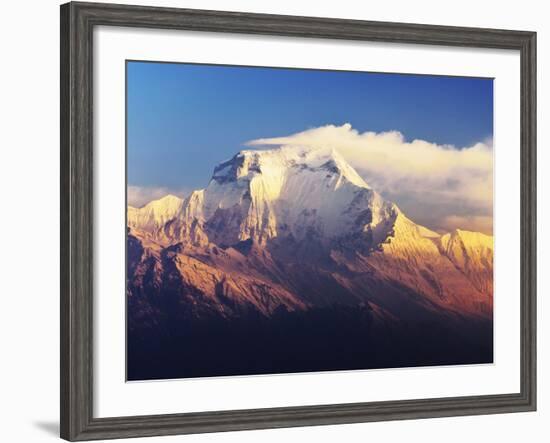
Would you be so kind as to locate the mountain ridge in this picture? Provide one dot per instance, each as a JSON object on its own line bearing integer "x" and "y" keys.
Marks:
{"x": 266, "y": 209}
{"x": 155, "y": 213}
{"x": 290, "y": 256}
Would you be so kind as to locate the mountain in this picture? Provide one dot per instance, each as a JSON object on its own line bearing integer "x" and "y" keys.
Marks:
{"x": 472, "y": 253}
{"x": 261, "y": 195}
{"x": 294, "y": 236}
{"x": 155, "y": 213}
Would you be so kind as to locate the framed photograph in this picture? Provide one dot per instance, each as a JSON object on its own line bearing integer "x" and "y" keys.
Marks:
{"x": 273, "y": 221}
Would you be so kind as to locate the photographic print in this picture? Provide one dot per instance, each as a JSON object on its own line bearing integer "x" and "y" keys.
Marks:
{"x": 286, "y": 220}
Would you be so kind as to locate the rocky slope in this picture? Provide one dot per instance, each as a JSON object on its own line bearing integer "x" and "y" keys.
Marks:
{"x": 274, "y": 219}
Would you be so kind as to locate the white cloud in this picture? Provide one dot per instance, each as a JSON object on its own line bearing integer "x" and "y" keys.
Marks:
{"x": 440, "y": 186}
{"x": 141, "y": 195}
{"x": 480, "y": 223}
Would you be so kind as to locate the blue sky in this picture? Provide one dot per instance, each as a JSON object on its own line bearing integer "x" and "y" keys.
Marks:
{"x": 182, "y": 119}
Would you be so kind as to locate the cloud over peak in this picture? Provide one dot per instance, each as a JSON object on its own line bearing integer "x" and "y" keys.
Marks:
{"x": 441, "y": 186}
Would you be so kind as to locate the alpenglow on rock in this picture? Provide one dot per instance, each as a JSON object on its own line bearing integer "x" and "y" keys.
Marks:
{"x": 298, "y": 228}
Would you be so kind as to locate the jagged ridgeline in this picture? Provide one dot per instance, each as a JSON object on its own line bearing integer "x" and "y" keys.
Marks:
{"x": 288, "y": 262}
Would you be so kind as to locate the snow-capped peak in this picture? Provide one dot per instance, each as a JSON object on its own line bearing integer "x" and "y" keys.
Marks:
{"x": 466, "y": 246}
{"x": 155, "y": 213}
{"x": 281, "y": 192}
{"x": 278, "y": 161}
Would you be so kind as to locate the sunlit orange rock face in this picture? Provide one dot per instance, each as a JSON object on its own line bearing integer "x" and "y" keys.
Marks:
{"x": 300, "y": 228}
{"x": 293, "y": 230}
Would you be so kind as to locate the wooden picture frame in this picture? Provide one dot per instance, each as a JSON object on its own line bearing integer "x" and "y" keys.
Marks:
{"x": 77, "y": 23}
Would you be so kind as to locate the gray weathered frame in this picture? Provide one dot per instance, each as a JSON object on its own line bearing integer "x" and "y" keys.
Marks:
{"x": 77, "y": 24}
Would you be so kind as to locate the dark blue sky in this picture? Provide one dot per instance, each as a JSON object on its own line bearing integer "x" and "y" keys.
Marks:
{"x": 183, "y": 119}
